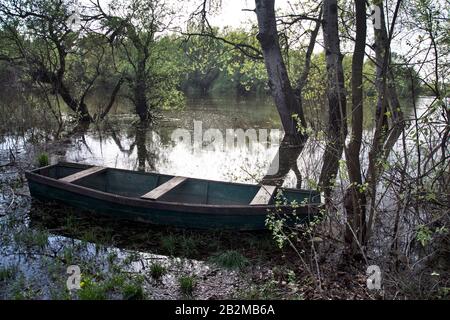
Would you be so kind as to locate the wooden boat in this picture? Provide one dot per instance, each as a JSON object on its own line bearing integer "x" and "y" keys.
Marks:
{"x": 164, "y": 199}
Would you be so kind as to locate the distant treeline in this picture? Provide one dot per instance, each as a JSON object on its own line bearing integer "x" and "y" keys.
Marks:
{"x": 201, "y": 65}
{"x": 135, "y": 56}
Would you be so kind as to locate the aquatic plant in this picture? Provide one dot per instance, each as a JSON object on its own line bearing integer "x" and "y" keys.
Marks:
{"x": 43, "y": 160}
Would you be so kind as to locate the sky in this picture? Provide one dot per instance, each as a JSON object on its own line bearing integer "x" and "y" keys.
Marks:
{"x": 230, "y": 13}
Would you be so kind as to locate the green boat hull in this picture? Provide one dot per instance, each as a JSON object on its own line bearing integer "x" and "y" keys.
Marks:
{"x": 90, "y": 197}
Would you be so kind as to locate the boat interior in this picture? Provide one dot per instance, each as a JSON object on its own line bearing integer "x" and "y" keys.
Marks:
{"x": 161, "y": 187}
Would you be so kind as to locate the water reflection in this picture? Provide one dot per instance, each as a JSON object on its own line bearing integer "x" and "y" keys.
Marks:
{"x": 69, "y": 223}
{"x": 284, "y": 161}
{"x": 124, "y": 143}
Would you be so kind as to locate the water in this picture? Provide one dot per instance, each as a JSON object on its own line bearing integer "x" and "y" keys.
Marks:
{"x": 126, "y": 145}
{"x": 122, "y": 143}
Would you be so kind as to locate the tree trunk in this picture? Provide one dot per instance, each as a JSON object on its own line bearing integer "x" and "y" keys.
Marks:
{"x": 140, "y": 96}
{"x": 383, "y": 139}
{"x": 141, "y": 145}
{"x": 337, "y": 127}
{"x": 112, "y": 98}
{"x": 79, "y": 108}
{"x": 355, "y": 199}
{"x": 60, "y": 88}
{"x": 288, "y": 105}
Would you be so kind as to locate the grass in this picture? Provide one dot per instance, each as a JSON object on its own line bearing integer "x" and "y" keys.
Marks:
{"x": 112, "y": 257}
{"x": 181, "y": 245}
{"x": 230, "y": 259}
{"x": 116, "y": 281}
{"x": 59, "y": 294}
{"x": 157, "y": 270}
{"x": 68, "y": 255}
{"x": 188, "y": 246}
{"x": 43, "y": 160}
{"x": 133, "y": 291}
{"x": 187, "y": 285}
{"x": 17, "y": 183}
{"x": 265, "y": 291}
{"x": 31, "y": 238}
{"x": 169, "y": 244}
{"x": 7, "y": 272}
{"x": 91, "y": 236}
{"x": 292, "y": 278}
{"x": 92, "y": 291}
{"x": 108, "y": 274}
{"x": 20, "y": 290}
{"x": 129, "y": 288}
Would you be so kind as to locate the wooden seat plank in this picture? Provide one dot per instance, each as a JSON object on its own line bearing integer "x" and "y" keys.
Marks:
{"x": 159, "y": 191}
{"x": 264, "y": 195}
{"x": 83, "y": 174}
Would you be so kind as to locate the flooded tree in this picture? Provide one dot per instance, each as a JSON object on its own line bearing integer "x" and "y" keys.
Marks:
{"x": 355, "y": 200}
{"x": 132, "y": 29}
{"x": 288, "y": 104}
{"x": 288, "y": 99}
{"x": 336, "y": 96}
{"x": 37, "y": 37}
{"x": 204, "y": 57}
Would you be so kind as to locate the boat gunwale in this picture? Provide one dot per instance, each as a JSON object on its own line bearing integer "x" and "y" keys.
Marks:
{"x": 83, "y": 165}
{"x": 158, "y": 204}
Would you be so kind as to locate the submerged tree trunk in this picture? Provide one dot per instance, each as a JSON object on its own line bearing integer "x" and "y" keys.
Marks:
{"x": 355, "y": 198}
{"x": 288, "y": 105}
{"x": 337, "y": 127}
{"x": 80, "y": 108}
{"x": 112, "y": 99}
